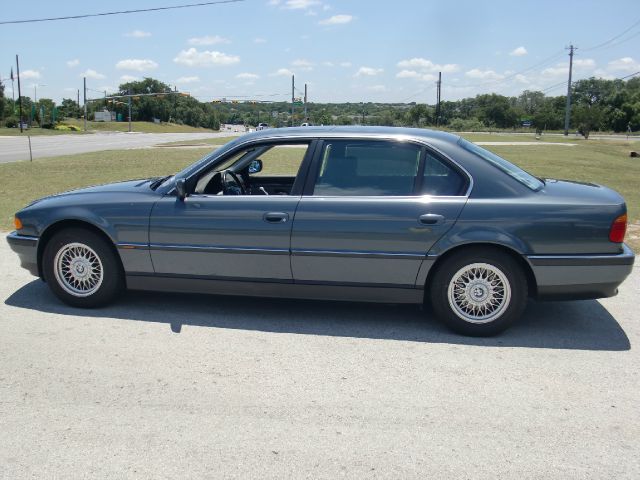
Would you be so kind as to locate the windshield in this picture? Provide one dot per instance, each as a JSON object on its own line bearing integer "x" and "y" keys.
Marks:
{"x": 509, "y": 168}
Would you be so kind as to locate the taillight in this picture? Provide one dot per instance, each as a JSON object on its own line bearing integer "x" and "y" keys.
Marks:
{"x": 618, "y": 229}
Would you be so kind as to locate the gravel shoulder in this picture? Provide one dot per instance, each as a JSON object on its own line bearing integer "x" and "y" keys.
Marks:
{"x": 185, "y": 386}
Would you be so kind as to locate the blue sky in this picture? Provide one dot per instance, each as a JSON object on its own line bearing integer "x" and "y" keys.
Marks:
{"x": 345, "y": 50}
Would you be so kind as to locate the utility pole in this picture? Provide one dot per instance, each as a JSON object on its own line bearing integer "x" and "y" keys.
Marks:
{"x": 129, "y": 93}
{"x": 439, "y": 84}
{"x": 78, "y": 100}
{"x": 567, "y": 113}
{"x": 306, "y": 119}
{"x": 13, "y": 92}
{"x": 293, "y": 93}
{"x": 84, "y": 99}
{"x": 19, "y": 92}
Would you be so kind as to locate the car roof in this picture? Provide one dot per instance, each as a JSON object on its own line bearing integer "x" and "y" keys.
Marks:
{"x": 355, "y": 131}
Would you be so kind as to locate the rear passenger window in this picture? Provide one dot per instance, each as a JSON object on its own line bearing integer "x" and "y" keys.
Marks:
{"x": 367, "y": 168}
{"x": 441, "y": 179}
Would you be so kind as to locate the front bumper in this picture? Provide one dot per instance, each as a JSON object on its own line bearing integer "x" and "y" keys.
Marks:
{"x": 27, "y": 249}
{"x": 574, "y": 277}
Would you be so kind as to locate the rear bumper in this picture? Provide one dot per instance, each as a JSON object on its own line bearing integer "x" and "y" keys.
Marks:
{"x": 27, "y": 249}
{"x": 580, "y": 276}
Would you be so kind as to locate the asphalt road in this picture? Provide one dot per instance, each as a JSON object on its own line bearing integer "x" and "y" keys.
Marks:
{"x": 14, "y": 148}
{"x": 180, "y": 386}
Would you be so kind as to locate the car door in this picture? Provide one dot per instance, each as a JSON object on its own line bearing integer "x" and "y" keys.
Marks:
{"x": 368, "y": 217}
{"x": 232, "y": 237}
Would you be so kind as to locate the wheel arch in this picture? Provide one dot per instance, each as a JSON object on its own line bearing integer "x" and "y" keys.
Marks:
{"x": 60, "y": 225}
{"x": 518, "y": 257}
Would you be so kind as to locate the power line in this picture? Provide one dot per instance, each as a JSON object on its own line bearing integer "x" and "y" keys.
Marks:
{"x": 637, "y": 22}
{"x": 123, "y": 12}
{"x": 628, "y": 76}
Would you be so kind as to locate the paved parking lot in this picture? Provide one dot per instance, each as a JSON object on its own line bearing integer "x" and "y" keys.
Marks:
{"x": 179, "y": 386}
{"x": 14, "y": 148}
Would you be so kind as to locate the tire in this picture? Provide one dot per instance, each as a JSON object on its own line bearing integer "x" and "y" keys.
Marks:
{"x": 82, "y": 269}
{"x": 479, "y": 292}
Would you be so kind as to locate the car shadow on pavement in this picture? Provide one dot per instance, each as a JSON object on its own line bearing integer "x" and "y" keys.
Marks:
{"x": 582, "y": 325}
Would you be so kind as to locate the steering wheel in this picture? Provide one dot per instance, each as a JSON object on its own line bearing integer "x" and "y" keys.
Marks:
{"x": 229, "y": 189}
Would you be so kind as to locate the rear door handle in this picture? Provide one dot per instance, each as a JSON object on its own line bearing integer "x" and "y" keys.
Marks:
{"x": 431, "y": 219}
{"x": 275, "y": 217}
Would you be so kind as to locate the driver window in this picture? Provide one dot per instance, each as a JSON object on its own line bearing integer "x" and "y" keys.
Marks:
{"x": 260, "y": 170}
{"x": 282, "y": 161}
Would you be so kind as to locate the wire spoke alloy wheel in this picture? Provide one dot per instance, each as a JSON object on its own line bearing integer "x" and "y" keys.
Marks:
{"x": 78, "y": 269}
{"x": 479, "y": 293}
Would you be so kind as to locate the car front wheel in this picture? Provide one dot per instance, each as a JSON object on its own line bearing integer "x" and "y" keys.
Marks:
{"x": 82, "y": 269}
{"x": 479, "y": 292}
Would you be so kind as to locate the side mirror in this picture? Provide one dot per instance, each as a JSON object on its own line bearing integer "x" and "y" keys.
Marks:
{"x": 255, "y": 166}
{"x": 181, "y": 188}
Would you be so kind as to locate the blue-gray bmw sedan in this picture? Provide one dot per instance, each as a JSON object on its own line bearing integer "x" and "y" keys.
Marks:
{"x": 338, "y": 213}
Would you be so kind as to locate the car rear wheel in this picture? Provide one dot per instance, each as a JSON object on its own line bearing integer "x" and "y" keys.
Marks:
{"x": 479, "y": 292}
{"x": 82, "y": 269}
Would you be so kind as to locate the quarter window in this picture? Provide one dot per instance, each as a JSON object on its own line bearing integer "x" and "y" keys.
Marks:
{"x": 440, "y": 178}
{"x": 367, "y": 168}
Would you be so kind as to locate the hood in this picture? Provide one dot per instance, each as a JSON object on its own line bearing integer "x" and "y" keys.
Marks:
{"x": 124, "y": 186}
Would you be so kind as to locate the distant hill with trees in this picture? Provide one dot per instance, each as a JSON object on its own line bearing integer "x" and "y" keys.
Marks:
{"x": 598, "y": 105}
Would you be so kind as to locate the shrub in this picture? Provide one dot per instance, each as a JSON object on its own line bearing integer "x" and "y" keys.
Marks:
{"x": 11, "y": 122}
{"x": 468, "y": 125}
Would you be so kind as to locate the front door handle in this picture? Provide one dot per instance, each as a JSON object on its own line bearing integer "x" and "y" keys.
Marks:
{"x": 275, "y": 217}
{"x": 431, "y": 219}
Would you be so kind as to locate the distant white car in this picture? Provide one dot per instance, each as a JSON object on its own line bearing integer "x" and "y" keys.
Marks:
{"x": 307, "y": 124}
{"x": 262, "y": 126}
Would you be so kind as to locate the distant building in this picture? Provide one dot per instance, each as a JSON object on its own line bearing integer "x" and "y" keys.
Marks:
{"x": 105, "y": 116}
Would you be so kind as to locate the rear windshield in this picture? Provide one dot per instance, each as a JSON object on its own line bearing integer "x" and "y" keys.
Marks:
{"x": 507, "y": 167}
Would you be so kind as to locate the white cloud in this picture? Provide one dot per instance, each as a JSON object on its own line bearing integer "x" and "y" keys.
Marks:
{"x": 345, "y": 64}
{"x": 415, "y": 75}
{"x": 476, "y": 73}
{"x": 205, "y": 58}
{"x": 91, "y": 73}
{"x": 191, "y": 79}
{"x": 562, "y": 69}
{"x": 368, "y": 72}
{"x": 138, "y": 34}
{"x": 522, "y": 79}
{"x": 136, "y": 64}
{"x": 259, "y": 40}
{"x": 208, "y": 40}
{"x": 273, "y": 3}
{"x": 584, "y": 63}
{"x": 377, "y": 88}
{"x": 129, "y": 78}
{"x": 25, "y": 74}
{"x": 302, "y": 64}
{"x": 247, "y": 76}
{"x": 300, "y": 4}
{"x": 625, "y": 64}
{"x": 282, "y": 72}
{"x": 337, "y": 20}
{"x": 73, "y": 63}
{"x": 327, "y": 64}
{"x": 518, "y": 52}
{"x": 428, "y": 65}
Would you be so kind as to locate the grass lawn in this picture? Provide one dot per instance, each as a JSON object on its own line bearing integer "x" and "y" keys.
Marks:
{"x": 602, "y": 162}
{"x": 199, "y": 141}
{"x": 33, "y": 132}
{"x": 510, "y": 137}
{"x": 144, "y": 127}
